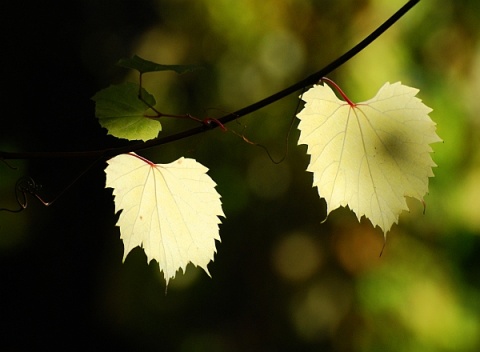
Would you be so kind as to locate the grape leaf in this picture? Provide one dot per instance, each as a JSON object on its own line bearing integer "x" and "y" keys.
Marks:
{"x": 144, "y": 66}
{"x": 171, "y": 210}
{"x": 119, "y": 110}
{"x": 369, "y": 156}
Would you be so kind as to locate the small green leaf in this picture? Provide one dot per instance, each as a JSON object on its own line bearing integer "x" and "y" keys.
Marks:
{"x": 144, "y": 66}
{"x": 119, "y": 110}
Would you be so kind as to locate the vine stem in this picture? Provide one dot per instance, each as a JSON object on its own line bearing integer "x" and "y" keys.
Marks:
{"x": 310, "y": 80}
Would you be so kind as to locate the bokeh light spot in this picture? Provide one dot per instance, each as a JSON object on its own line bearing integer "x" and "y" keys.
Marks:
{"x": 317, "y": 312}
{"x": 297, "y": 257}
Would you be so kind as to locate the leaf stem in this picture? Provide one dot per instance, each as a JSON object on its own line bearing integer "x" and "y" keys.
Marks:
{"x": 339, "y": 90}
{"x": 310, "y": 80}
{"x": 142, "y": 158}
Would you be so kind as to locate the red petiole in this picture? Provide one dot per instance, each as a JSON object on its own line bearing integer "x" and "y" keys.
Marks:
{"x": 339, "y": 90}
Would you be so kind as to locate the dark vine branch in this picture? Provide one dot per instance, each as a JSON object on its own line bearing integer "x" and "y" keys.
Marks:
{"x": 310, "y": 80}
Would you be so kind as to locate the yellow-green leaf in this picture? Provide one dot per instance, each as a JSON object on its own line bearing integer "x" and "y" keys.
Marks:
{"x": 171, "y": 210}
{"x": 369, "y": 156}
{"x": 120, "y": 110}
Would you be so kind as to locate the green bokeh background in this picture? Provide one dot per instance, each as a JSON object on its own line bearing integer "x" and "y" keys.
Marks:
{"x": 281, "y": 279}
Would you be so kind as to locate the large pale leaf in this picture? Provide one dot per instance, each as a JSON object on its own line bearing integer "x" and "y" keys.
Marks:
{"x": 171, "y": 210}
{"x": 371, "y": 155}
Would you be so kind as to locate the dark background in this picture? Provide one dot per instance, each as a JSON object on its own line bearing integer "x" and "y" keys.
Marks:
{"x": 281, "y": 279}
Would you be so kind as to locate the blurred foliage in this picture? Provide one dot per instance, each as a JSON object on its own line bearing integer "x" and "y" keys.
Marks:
{"x": 282, "y": 280}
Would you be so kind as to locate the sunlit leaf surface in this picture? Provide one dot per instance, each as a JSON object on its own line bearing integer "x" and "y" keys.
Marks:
{"x": 371, "y": 155}
{"x": 171, "y": 210}
{"x": 119, "y": 110}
